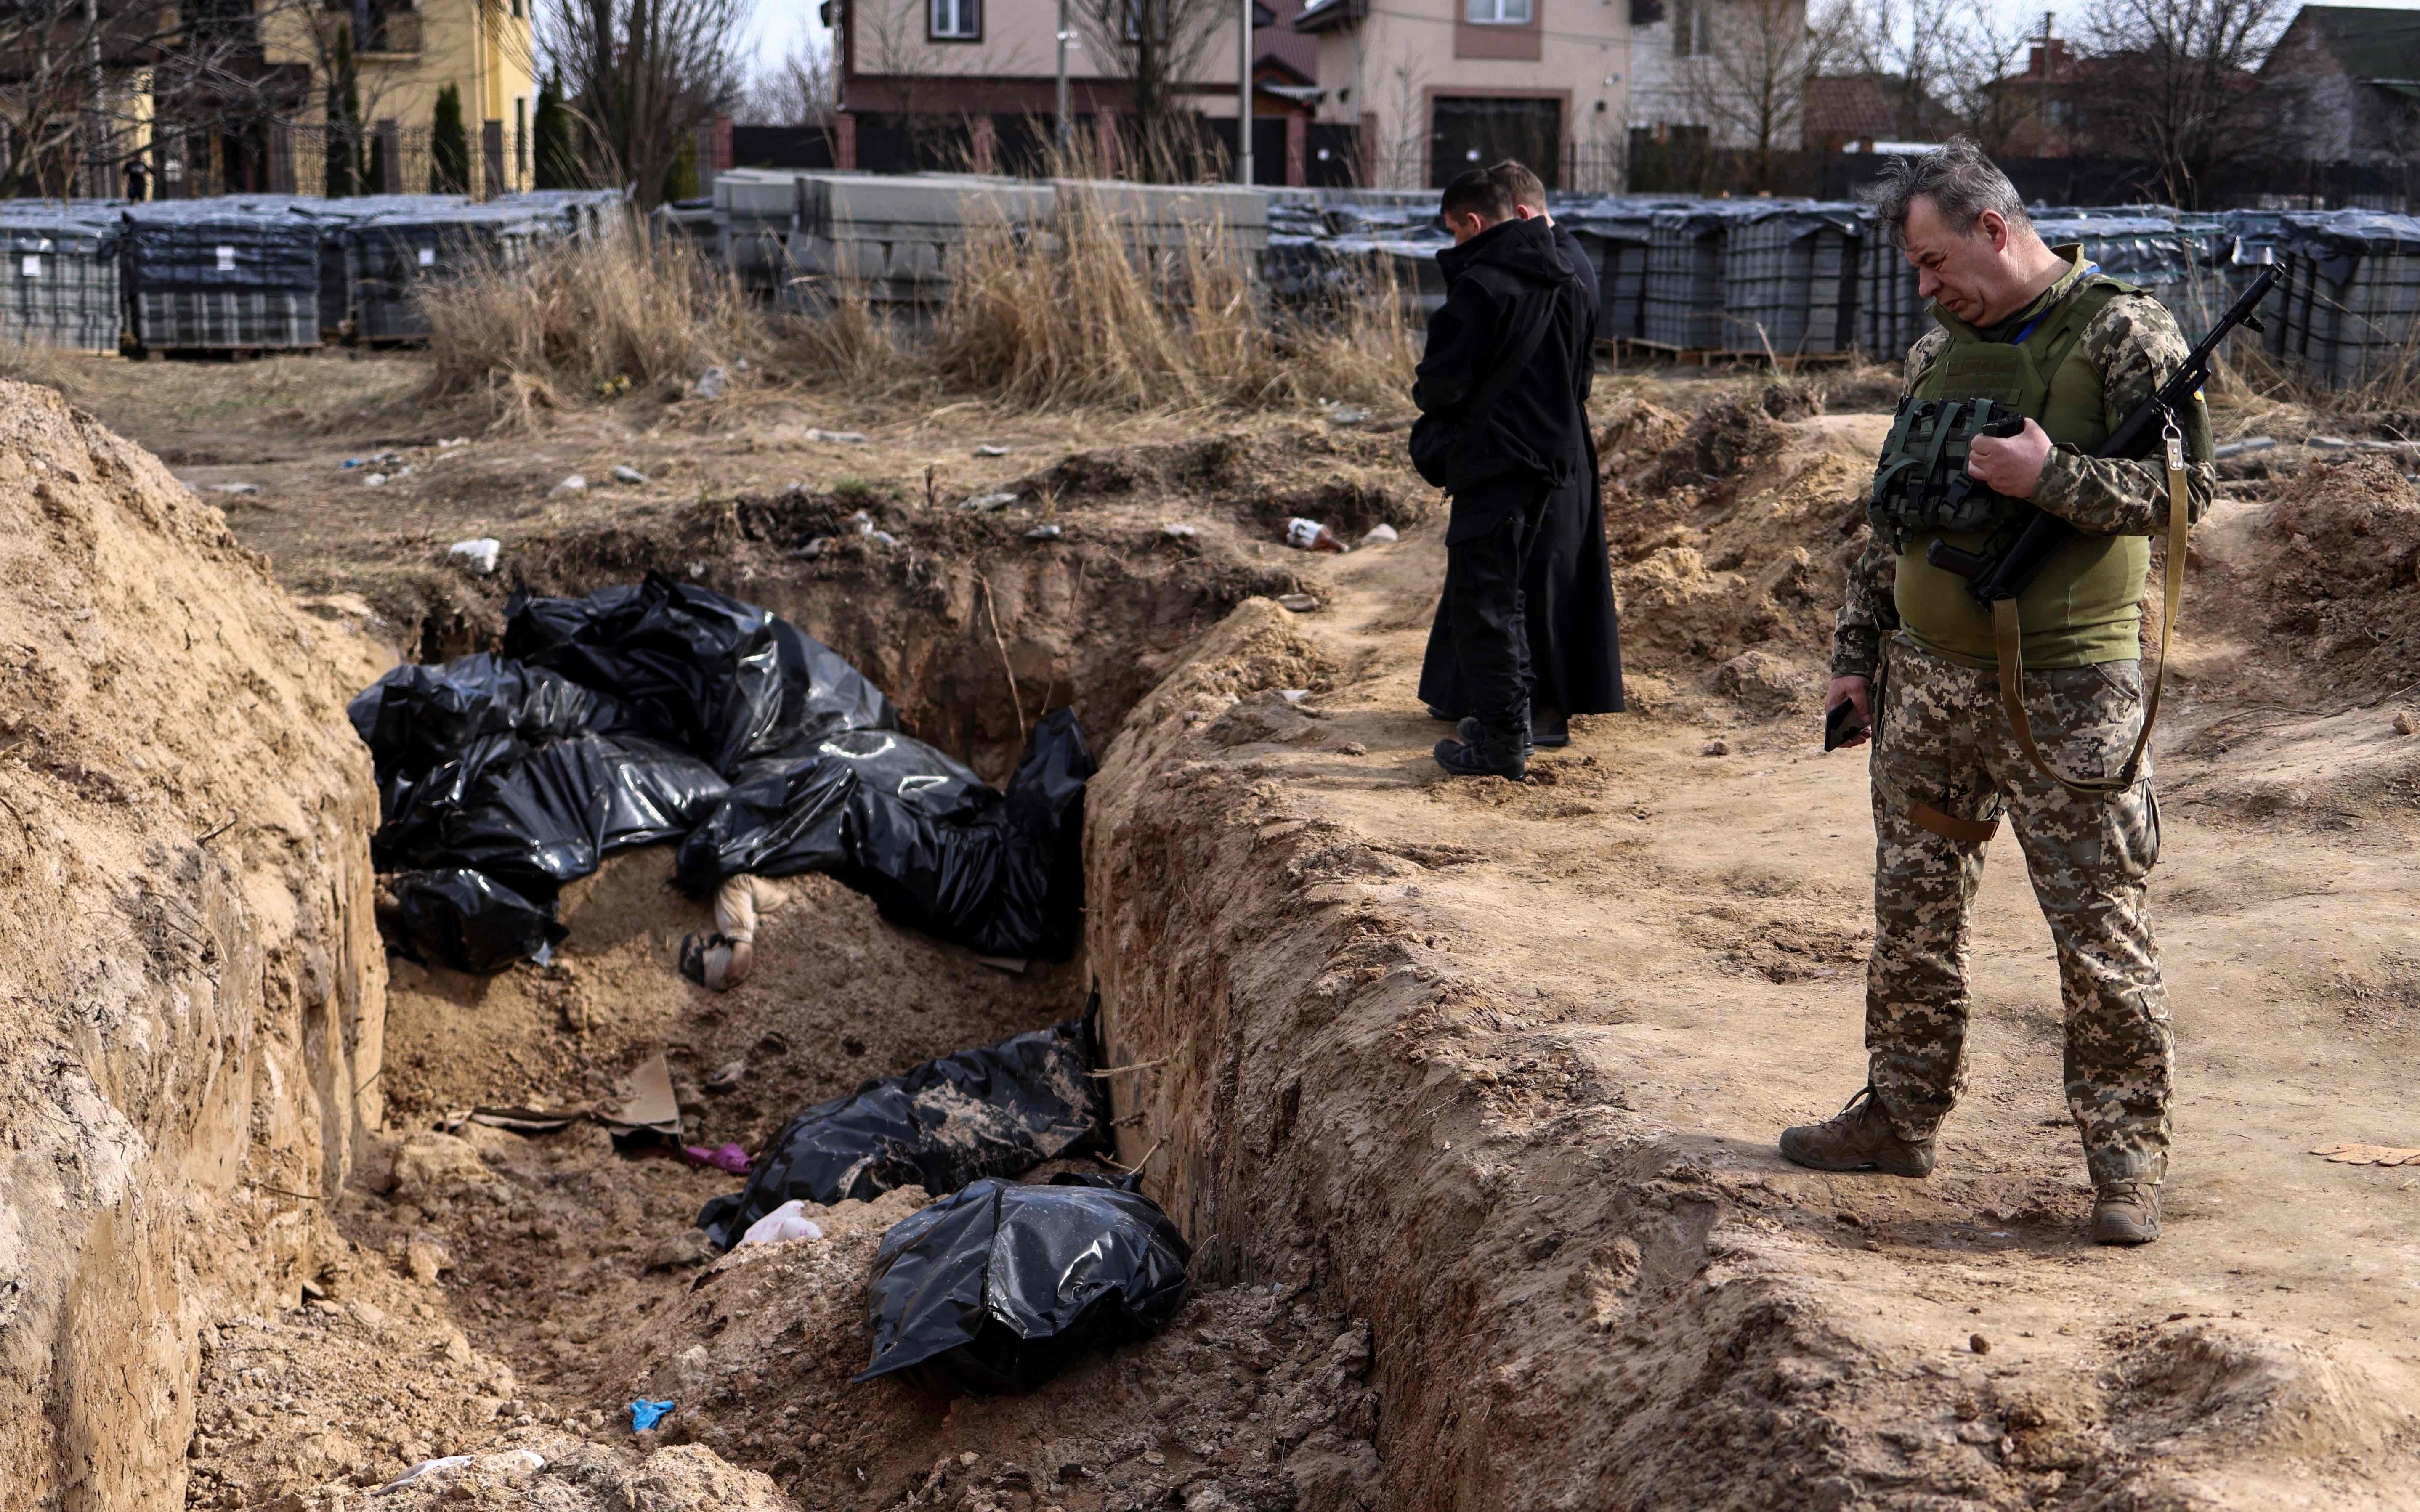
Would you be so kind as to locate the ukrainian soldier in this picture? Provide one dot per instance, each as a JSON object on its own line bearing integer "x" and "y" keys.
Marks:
{"x": 2040, "y": 332}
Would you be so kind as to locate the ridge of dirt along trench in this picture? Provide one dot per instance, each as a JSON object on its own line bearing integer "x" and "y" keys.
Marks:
{"x": 1503, "y": 1063}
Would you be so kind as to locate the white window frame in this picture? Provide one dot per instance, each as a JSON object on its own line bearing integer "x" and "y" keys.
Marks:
{"x": 1498, "y": 12}
{"x": 965, "y": 18}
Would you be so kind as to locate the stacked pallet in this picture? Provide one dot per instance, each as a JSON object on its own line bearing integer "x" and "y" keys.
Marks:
{"x": 2351, "y": 313}
{"x": 756, "y": 212}
{"x": 583, "y": 214}
{"x": 338, "y": 272}
{"x": 894, "y": 241}
{"x": 58, "y": 285}
{"x": 1790, "y": 279}
{"x": 399, "y": 256}
{"x": 1684, "y": 297}
{"x": 1617, "y": 234}
{"x": 1340, "y": 244}
{"x": 237, "y": 273}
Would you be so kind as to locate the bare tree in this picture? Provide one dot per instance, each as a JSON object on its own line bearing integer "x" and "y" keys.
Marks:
{"x": 2172, "y": 82}
{"x": 79, "y": 79}
{"x": 1746, "y": 71}
{"x": 794, "y": 90}
{"x": 1405, "y": 163}
{"x": 1159, "y": 47}
{"x": 640, "y": 76}
{"x": 1944, "y": 67}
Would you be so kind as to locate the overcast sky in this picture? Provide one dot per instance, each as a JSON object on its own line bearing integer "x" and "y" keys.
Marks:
{"x": 782, "y": 25}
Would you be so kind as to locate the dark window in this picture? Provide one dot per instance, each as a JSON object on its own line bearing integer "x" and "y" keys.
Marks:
{"x": 1688, "y": 29}
{"x": 954, "y": 21}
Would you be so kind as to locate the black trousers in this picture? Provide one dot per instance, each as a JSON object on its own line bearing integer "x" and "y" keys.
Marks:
{"x": 1488, "y": 538}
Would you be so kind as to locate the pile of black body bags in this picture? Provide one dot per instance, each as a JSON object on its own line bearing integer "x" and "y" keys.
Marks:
{"x": 665, "y": 711}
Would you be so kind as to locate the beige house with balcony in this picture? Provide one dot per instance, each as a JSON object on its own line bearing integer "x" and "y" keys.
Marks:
{"x": 267, "y": 129}
{"x": 1430, "y": 88}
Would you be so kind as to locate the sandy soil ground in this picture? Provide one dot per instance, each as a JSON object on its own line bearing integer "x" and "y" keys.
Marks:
{"x": 1669, "y": 919}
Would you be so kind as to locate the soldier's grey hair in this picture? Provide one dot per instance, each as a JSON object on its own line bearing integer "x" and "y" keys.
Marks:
{"x": 1960, "y": 181}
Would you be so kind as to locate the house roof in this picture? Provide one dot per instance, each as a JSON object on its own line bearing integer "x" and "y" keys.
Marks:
{"x": 1861, "y": 106}
{"x": 2368, "y": 43}
{"x": 1320, "y": 15}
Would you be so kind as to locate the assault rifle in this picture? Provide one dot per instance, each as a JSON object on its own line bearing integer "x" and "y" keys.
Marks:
{"x": 2009, "y": 572}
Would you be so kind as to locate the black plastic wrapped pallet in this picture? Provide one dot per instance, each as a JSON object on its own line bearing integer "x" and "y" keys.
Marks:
{"x": 60, "y": 282}
{"x": 393, "y": 257}
{"x": 998, "y": 1288}
{"x": 2351, "y": 310}
{"x": 999, "y": 1110}
{"x": 583, "y": 213}
{"x": 329, "y": 217}
{"x": 1789, "y": 277}
{"x": 224, "y": 273}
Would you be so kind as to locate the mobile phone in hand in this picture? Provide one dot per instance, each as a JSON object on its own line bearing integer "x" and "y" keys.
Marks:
{"x": 1840, "y": 723}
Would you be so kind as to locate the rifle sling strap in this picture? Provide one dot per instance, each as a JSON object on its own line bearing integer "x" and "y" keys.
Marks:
{"x": 2008, "y": 640}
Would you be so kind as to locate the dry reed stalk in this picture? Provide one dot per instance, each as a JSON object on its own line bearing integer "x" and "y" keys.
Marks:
{"x": 583, "y": 318}
{"x": 1090, "y": 316}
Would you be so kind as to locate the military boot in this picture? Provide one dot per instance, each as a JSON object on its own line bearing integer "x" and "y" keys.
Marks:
{"x": 1857, "y": 1139}
{"x": 2126, "y": 1215}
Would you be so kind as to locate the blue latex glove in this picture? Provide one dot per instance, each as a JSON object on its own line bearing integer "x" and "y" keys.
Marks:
{"x": 646, "y": 1414}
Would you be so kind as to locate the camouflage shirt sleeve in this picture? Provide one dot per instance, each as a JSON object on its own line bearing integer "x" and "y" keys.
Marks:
{"x": 2136, "y": 345}
{"x": 1871, "y": 610}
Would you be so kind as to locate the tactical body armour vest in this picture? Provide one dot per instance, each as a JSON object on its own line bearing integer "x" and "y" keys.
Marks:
{"x": 2085, "y": 604}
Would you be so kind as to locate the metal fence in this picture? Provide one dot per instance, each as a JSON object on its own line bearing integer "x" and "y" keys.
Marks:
{"x": 285, "y": 157}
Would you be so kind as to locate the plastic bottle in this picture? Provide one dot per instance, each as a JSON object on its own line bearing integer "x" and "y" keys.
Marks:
{"x": 1311, "y": 535}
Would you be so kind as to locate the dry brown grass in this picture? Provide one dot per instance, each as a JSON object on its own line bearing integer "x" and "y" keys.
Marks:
{"x": 849, "y": 344}
{"x": 1084, "y": 317}
{"x": 585, "y": 318}
{"x": 1094, "y": 317}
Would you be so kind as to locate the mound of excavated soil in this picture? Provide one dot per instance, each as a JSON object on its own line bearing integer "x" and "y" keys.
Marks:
{"x": 2326, "y": 581}
{"x": 1731, "y": 536}
{"x": 192, "y": 988}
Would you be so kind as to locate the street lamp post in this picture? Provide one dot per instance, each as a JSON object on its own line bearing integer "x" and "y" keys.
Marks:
{"x": 1066, "y": 120}
{"x": 1244, "y": 92}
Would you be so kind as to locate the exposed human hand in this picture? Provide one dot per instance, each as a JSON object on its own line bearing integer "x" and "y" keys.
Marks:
{"x": 2013, "y": 467}
{"x": 1859, "y": 692}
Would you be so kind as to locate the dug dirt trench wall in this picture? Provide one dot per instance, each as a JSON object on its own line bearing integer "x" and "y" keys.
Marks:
{"x": 192, "y": 988}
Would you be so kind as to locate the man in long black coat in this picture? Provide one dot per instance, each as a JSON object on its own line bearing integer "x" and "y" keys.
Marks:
{"x": 1567, "y": 581}
{"x": 1502, "y": 429}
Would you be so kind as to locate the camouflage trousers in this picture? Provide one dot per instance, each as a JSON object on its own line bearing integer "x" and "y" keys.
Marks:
{"x": 1943, "y": 739}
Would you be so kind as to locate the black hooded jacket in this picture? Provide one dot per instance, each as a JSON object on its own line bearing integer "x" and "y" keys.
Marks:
{"x": 1496, "y": 283}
